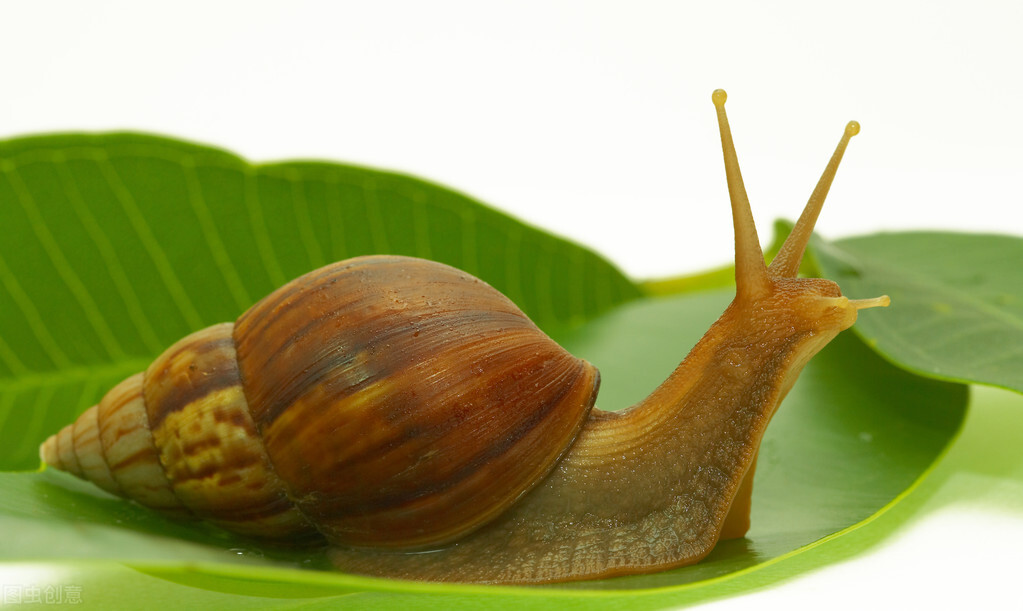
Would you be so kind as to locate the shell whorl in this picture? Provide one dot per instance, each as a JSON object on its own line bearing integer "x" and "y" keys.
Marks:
{"x": 179, "y": 438}
{"x": 209, "y": 447}
{"x": 380, "y": 400}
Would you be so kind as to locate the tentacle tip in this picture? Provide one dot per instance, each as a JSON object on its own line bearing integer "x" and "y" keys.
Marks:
{"x": 719, "y": 96}
{"x": 852, "y": 128}
{"x": 875, "y": 302}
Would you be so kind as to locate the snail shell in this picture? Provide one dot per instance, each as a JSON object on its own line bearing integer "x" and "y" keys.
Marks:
{"x": 379, "y": 401}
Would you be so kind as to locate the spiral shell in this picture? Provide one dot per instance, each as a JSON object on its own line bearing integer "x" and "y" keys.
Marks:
{"x": 380, "y": 401}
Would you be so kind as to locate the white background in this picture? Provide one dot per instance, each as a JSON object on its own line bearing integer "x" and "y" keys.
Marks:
{"x": 594, "y": 120}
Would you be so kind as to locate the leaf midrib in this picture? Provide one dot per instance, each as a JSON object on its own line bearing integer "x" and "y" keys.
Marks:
{"x": 39, "y": 379}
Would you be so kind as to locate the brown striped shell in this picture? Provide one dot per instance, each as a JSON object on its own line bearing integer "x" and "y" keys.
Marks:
{"x": 381, "y": 401}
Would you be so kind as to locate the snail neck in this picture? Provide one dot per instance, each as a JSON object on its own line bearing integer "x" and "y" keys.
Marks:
{"x": 673, "y": 463}
{"x": 724, "y": 392}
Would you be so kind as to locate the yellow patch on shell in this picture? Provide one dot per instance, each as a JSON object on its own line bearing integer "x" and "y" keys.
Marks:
{"x": 218, "y": 467}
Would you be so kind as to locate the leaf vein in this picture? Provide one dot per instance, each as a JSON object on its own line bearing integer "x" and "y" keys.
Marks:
{"x": 33, "y": 429}
{"x": 156, "y": 253}
{"x": 212, "y": 235}
{"x": 260, "y": 233}
{"x": 73, "y": 373}
{"x": 300, "y": 207}
{"x": 32, "y": 317}
{"x": 542, "y": 278}
{"x": 421, "y": 225}
{"x": 11, "y": 360}
{"x": 125, "y": 289}
{"x": 335, "y": 207}
{"x": 513, "y": 266}
{"x": 63, "y": 267}
{"x": 377, "y": 228}
{"x": 470, "y": 250}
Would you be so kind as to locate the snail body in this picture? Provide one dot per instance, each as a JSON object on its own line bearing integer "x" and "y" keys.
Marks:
{"x": 414, "y": 418}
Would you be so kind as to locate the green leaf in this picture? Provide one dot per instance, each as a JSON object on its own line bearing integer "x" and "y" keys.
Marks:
{"x": 957, "y": 301}
{"x": 117, "y": 245}
{"x": 853, "y": 434}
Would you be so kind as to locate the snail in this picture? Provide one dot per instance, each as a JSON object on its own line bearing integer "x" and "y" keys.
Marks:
{"x": 416, "y": 420}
